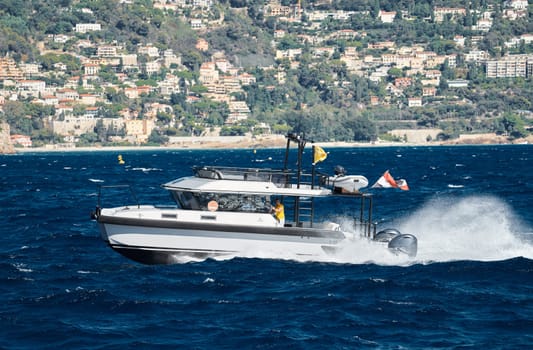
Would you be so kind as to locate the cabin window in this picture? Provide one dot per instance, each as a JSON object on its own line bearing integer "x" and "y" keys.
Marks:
{"x": 186, "y": 200}
{"x": 226, "y": 202}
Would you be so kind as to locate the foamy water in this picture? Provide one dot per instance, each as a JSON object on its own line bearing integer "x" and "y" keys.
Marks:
{"x": 475, "y": 228}
{"x": 481, "y": 228}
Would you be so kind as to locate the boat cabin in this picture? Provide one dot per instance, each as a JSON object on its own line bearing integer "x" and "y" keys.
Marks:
{"x": 222, "y": 201}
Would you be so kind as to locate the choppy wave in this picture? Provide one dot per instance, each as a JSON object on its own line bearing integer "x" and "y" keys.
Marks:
{"x": 455, "y": 186}
{"x": 62, "y": 287}
{"x": 146, "y": 170}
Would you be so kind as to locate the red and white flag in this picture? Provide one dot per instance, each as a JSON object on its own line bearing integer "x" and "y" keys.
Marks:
{"x": 387, "y": 181}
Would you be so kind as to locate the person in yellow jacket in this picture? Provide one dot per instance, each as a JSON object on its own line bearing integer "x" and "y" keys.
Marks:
{"x": 279, "y": 212}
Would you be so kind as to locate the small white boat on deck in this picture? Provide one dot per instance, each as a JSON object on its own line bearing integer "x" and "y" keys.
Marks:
{"x": 227, "y": 211}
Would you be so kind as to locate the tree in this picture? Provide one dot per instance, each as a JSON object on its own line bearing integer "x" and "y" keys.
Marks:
{"x": 395, "y": 72}
{"x": 362, "y": 128}
{"x": 157, "y": 138}
{"x": 16, "y": 116}
{"x": 513, "y": 125}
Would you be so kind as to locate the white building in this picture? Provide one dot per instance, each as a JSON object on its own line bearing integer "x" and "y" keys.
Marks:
{"x": 87, "y": 27}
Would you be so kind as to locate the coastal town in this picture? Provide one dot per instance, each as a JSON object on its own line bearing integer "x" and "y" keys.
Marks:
{"x": 169, "y": 99}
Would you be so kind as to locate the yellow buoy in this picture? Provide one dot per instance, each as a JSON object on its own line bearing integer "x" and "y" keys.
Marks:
{"x": 120, "y": 160}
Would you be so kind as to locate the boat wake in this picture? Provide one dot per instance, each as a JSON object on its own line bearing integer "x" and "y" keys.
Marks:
{"x": 476, "y": 228}
{"x": 481, "y": 228}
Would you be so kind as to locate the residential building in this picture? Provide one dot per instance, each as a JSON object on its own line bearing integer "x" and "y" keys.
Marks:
{"x": 347, "y": 34}
{"x": 129, "y": 61}
{"x": 91, "y": 69}
{"x": 223, "y": 64}
{"x": 452, "y": 60}
{"x": 511, "y": 66}
{"x": 440, "y": 13}
{"x": 291, "y": 54}
{"x": 414, "y": 102}
{"x": 403, "y": 82}
{"x": 477, "y": 56}
{"x": 151, "y": 67}
{"x": 323, "y": 52}
{"x": 247, "y": 79}
{"x": 29, "y": 69}
{"x": 88, "y": 99}
{"x": 50, "y": 100}
{"x": 274, "y": 8}
{"x": 429, "y": 91}
{"x": 517, "y": 41}
{"x": 196, "y": 24}
{"x": 31, "y": 87}
{"x": 202, "y": 3}
{"x": 238, "y": 111}
{"x": 63, "y": 110}
{"x": 381, "y": 45}
{"x": 517, "y": 4}
{"x": 148, "y": 50}
{"x": 386, "y": 17}
{"x": 170, "y": 58}
{"x": 87, "y": 27}
{"x": 208, "y": 73}
{"x": 458, "y": 83}
{"x": 131, "y": 92}
{"x": 9, "y": 69}
{"x": 139, "y": 130}
{"x": 279, "y": 33}
{"x": 230, "y": 83}
{"x": 512, "y": 14}
{"x": 60, "y": 38}
{"x": 482, "y": 25}
{"x": 202, "y": 44}
{"x": 67, "y": 95}
{"x": 106, "y": 51}
{"x": 459, "y": 40}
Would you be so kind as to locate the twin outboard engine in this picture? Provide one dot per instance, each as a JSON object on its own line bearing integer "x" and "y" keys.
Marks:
{"x": 398, "y": 243}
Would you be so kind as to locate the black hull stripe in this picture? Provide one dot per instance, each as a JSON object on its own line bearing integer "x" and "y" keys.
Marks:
{"x": 154, "y": 256}
{"x": 193, "y": 226}
{"x": 172, "y": 250}
{"x": 157, "y": 257}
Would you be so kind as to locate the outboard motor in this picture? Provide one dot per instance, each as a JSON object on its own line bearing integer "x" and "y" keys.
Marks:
{"x": 386, "y": 235}
{"x": 339, "y": 170}
{"x": 404, "y": 243}
{"x": 398, "y": 242}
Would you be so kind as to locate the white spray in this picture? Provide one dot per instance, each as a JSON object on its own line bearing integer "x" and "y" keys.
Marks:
{"x": 479, "y": 228}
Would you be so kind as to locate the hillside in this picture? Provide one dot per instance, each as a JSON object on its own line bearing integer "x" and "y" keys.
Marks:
{"x": 141, "y": 72}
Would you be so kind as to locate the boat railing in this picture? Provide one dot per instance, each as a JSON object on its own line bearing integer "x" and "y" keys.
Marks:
{"x": 365, "y": 228}
{"x": 279, "y": 177}
{"x": 364, "y": 223}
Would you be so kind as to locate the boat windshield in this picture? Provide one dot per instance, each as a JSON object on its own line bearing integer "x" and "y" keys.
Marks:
{"x": 222, "y": 202}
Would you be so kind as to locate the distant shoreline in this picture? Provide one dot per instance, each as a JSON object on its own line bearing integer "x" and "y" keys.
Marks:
{"x": 275, "y": 141}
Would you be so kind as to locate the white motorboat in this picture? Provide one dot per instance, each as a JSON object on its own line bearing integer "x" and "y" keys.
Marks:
{"x": 228, "y": 211}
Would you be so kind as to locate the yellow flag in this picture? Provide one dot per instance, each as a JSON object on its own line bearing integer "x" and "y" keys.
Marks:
{"x": 319, "y": 154}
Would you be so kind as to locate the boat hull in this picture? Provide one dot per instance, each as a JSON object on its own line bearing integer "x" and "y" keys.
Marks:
{"x": 156, "y": 241}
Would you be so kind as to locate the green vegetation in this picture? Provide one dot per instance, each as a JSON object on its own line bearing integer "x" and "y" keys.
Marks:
{"x": 319, "y": 95}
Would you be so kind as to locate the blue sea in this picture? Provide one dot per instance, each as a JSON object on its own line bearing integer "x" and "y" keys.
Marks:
{"x": 470, "y": 287}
